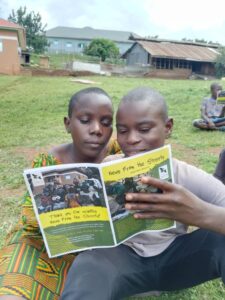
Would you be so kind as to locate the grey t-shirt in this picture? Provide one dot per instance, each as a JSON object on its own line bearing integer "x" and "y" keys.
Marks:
{"x": 200, "y": 183}
{"x": 211, "y": 109}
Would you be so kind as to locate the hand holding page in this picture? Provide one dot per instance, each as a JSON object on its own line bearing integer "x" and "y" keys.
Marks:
{"x": 82, "y": 206}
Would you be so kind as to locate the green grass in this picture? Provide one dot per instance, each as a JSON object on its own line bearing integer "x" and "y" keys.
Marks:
{"x": 31, "y": 114}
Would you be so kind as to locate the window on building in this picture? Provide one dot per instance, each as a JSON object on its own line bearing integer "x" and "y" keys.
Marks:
{"x": 169, "y": 64}
{"x": 81, "y": 45}
{"x": 1, "y": 46}
{"x": 55, "y": 43}
{"x": 68, "y": 44}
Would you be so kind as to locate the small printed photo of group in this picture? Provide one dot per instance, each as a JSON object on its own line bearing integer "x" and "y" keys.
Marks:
{"x": 116, "y": 191}
{"x": 60, "y": 189}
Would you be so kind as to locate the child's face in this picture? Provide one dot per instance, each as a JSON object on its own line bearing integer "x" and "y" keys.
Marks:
{"x": 216, "y": 90}
{"x": 90, "y": 125}
{"x": 140, "y": 127}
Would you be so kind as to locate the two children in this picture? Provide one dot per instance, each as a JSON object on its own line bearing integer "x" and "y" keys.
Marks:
{"x": 159, "y": 261}
{"x": 149, "y": 261}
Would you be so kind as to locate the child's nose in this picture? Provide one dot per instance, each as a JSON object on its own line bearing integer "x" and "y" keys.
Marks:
{"x": 96, "y": 128}
{"x": 133, "y": 138}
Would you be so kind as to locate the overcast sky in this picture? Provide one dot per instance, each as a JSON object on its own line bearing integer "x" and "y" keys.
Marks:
{"x": 174, "y": 19}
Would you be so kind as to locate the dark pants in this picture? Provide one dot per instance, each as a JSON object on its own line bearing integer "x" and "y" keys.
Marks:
{"x": 115, "y": 273}
{"x": 220, "y": 168}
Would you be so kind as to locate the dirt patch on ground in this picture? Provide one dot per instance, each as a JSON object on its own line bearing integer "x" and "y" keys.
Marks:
{"x": 8, "y": 193}
{"x": 215, "y": 150}
{"x": 54, "y": 72}
{"x": 191, "y": 155}
{"x": 31, "y": 153}
{"x": 186, "y": 154}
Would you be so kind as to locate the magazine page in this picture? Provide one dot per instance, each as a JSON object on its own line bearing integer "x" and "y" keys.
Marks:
{"x": 70, "y": 206}
{"x": 123, "y": 176}
{"x": 221, "y": 98}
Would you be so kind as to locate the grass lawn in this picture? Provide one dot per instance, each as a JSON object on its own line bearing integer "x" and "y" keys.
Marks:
{"x": 31, "y": 114}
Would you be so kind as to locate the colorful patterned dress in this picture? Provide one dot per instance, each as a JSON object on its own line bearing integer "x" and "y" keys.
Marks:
{"x": 25, "y": 268}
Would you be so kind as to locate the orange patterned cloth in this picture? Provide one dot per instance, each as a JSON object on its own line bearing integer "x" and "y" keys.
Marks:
{"x": 25, "y": 268}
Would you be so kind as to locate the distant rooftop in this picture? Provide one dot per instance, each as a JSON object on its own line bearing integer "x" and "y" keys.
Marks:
{"x": 9, "y": 24}
{"x": 184, "y": 42}
{"x": 90, "y": 33}
{"x": 177, "y": 50}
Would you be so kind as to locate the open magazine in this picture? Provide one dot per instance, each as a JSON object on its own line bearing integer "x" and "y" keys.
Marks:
{"x": 82, "y": 206}
{"x": 221, "y": 98}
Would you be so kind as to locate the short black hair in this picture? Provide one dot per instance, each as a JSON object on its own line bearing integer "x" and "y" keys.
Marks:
{"x": 215, "y": 85}
{"x": 147, "y": 94}
{"x": 76, "y": 97}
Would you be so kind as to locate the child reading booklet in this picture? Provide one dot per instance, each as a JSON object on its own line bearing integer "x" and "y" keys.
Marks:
{"x": 82, "y": 206}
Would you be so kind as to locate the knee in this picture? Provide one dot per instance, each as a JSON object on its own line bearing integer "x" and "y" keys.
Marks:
{"x": 219, "y": 254}
{"x": 195, "y": 123}
{"x": 199, "y": 123}
{"x": 92, "y": 274}
{"x": 96, "y": 268}
{"x": 89, "y": 262}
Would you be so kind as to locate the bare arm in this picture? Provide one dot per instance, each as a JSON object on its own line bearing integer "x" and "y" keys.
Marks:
{"x": 176, "y": 203}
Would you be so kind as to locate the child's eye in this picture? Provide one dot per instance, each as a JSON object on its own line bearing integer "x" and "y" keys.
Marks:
{"x": 84, "y": 121}
{"x": 121, "y": 131}
{"x": 106, "y": 122}
{"x": 144, "y": 129}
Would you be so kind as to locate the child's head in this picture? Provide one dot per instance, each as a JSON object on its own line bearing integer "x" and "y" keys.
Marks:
{"x": 90, "y": 115}
{"x": 142, "y": 121}
{"x": 215, "y": 88}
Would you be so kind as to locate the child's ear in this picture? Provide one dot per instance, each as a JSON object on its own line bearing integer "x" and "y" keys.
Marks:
{"x": 67, "y": 124}
{"x": 169, "y": 127}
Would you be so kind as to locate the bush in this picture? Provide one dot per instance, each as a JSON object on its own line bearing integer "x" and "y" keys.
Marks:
{"x": 102, "y": 48}
{"x": 220, "y": 63}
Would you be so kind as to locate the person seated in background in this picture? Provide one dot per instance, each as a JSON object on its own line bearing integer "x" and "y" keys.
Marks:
{"x": 220, "y": 167}
{"x": 212, "y": 114}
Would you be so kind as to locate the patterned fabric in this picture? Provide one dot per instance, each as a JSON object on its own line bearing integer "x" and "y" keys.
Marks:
{"x": 113, "y": 147}
{"x": 25, "y": 268}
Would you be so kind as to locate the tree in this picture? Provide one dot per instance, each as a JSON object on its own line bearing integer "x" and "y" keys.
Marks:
{"x": 220, "y": 63}
{"x": 102, "y": 48}
{"x": 35, "y": 31}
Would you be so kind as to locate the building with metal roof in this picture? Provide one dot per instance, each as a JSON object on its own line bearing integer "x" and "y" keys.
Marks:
{"x": 74, "y": 40}
{"x": 173, "y": 56}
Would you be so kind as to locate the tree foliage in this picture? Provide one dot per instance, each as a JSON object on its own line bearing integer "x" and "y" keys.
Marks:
{"x": 102, "y": 48}
{"x": 35, "y": 30}
{"x": 220, "y": 63}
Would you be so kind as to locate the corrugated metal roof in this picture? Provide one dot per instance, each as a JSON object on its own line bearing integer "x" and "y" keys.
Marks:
{"x": 180, "y": 51}
{"x": 89, "y": 34}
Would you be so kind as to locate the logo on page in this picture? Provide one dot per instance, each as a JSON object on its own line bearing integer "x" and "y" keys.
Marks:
{"x": 163, "y": 172}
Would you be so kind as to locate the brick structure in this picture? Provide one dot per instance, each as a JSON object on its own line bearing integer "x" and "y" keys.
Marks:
{"x": 12, "y": 42}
